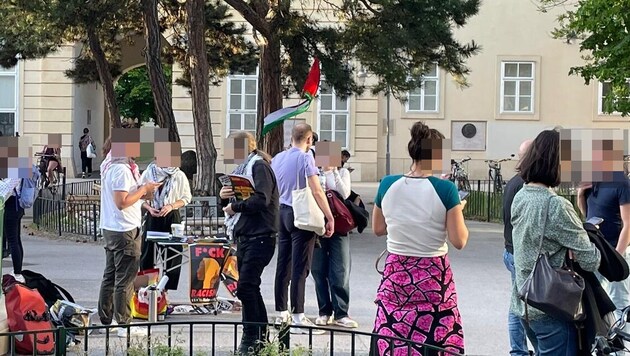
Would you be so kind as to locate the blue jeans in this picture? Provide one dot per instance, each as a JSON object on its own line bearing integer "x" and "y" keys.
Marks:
{"x": 552, "y": 337}
{"x": 518, "y": 340}
{"x": 331, "y": 272}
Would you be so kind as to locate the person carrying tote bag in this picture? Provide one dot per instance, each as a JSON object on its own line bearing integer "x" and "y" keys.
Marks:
{"x": 306, "y": 213}
{"x": 302, "y": 200}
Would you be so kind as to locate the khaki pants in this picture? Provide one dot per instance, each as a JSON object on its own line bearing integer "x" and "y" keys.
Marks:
{"x": 122, "y": 252}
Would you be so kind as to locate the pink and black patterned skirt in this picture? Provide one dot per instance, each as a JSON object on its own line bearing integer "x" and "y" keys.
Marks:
{"x": 417, "y": 301}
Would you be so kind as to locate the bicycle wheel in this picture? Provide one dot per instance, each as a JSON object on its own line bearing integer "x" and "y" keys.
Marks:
{"x": 465, "y": 184}
{"x": 498, "y": 183}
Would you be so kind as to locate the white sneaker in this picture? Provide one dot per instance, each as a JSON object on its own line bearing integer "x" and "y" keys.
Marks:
{"x": 346, "y": 322}
{"x": 284, "y": 318}
{"x": 295, "y": 328}
{"x": 133, "y": 331}
{"x": 19, "y": 278}
{"x": 112, "y": 327}
{"x": 323, "y": 320}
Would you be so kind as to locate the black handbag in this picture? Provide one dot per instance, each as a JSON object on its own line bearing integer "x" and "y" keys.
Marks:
{"x": 555, "y": 291}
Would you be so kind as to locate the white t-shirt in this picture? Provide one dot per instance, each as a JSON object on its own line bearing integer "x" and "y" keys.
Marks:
{"x": 415, "y": 213}
{"x": 119, "y": 178}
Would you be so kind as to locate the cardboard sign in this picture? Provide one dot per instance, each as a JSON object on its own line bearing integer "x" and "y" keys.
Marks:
{"x": 209, "y": 263}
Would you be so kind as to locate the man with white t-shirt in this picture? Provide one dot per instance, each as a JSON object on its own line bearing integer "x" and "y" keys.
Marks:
{"x": 121, "y": 220}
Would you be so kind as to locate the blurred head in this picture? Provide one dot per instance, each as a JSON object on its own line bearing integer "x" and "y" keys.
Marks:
{"x": 426, "y": 147}
{"x": 86, "y": 130}
{"x": 541, "y": 161}
{"x": 251, "y": 140}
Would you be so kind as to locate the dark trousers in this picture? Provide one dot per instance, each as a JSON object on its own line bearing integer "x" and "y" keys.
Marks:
{"x": 86, "y": 163}
{"x": 295, "y": 254}
{"x": 122, "y": 257}
{"x": 13, "y": 214}
{"x": 253, "y": 254}
{"x": 331, "y": 272}
{"x": 162, "y": 224}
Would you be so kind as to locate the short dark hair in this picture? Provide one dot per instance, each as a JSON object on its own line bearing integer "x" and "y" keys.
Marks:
{"x": 86, "y": 130}
{"x": 345, "y": 153}
{"x": 316, "y": 137}
{"x": 300, "y": 132}
{"x": 541, "y": 162}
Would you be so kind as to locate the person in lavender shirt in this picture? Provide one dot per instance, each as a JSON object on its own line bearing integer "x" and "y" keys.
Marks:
{"x": 295, "y": 246}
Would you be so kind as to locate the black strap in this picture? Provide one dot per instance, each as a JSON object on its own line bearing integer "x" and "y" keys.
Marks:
{"x": 63, "y": 292}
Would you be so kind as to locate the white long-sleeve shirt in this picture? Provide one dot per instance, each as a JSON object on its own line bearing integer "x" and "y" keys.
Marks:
{"x": 338, "y": 180}
{"x": 8, "y": 187}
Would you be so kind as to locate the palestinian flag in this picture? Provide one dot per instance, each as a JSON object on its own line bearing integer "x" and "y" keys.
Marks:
{"x": 311, "y": 86}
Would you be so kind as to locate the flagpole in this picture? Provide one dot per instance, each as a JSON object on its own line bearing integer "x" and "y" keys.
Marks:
{"x": 387, "y": 153}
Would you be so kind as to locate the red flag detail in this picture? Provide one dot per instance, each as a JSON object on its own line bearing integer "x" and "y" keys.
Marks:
{"x": 312, "y": 81}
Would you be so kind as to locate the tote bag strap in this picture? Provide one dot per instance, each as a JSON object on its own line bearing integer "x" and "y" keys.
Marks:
{"x": 297, "y": 175}
{"x": 542, "y": 233}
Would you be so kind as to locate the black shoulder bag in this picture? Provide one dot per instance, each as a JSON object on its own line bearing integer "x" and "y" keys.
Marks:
{"x": 555, "y": 291}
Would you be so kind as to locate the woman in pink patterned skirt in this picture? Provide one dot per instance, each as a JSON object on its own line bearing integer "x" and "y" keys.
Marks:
{"x": 418, "y": 212}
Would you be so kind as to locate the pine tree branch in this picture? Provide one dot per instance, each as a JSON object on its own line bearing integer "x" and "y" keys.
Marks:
{"x": 258, "y": 23}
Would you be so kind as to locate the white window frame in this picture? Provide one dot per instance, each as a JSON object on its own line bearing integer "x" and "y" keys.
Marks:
{"x": 600, "y": 100}
{"x": 15, "y": 110}
{"x": 333, "y": 112}
{"x": 242, "y": 77}
{"x": 518, "y": 80}
{"x": 426, "y": 78}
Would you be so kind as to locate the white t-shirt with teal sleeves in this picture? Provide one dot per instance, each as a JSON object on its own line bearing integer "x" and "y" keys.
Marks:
{"x": 415, "y": 213}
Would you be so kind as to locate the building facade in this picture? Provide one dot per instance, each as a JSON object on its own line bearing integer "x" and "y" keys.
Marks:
{"x": 518, "y": 86}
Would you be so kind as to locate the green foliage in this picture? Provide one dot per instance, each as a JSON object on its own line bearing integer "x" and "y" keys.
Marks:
{"x": 134, "y": 95}
{"x": 397, "y": 40}
{"x": 602, "y": 28}
{"x": 228, "y": 50}
{"x": 25, "y": 34}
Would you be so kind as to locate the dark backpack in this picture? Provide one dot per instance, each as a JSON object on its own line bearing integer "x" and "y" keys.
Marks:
{"x": 50, "y": 291}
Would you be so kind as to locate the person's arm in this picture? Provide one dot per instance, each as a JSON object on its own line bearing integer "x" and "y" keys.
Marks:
{"x": 624, "y": 236}
{"x": 581, "y": 198}
{"x": 123, "y": 199}
{"x": 564, "y": 227}
{"x": 264, "y": 181}
{"x": 340, "y": 179}
{"x": 379, "y": 226}
{"x": 456, "y": 226}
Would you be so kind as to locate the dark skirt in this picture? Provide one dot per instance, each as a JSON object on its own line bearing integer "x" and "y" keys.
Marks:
{"x": 147, "y": 261}
{"x": 417, "y": 301}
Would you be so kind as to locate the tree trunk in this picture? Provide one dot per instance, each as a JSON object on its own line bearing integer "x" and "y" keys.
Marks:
{"x": 107, "y": 81}
{"x": 270, "y": 86}
{"x": 161, "y": 96}
{"x": 204, "y": 182}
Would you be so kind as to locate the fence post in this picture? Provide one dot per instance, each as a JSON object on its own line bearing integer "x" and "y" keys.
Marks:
{"x": 59, "y": 216}
{"x": 284, "y": 336}
{"x": 63, "y": 187}
{"x": 488, "y": 203}
{"x": 61, "y": 343}
{"x": 95, "y": 224}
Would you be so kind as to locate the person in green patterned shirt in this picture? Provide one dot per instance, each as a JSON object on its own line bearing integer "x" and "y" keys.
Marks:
{"x": 540, "y": 169}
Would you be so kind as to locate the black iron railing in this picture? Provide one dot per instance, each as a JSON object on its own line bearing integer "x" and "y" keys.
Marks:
{"x": 79, "y": 213}
{"x": 217, "y": 338}
{"x": 74, "y": 217}
{"x": 486, "y": 204}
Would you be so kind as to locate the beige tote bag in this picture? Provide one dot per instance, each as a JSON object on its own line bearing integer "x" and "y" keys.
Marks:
{"x": 306, "y": 213}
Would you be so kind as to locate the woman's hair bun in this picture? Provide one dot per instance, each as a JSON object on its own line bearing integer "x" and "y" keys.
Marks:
{"x": 420, "y": 131}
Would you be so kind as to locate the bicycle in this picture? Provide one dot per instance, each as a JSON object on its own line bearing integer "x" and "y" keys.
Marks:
{"x": 613, "y": 341}
{"x": 458, "y": 175}
{"x": 45, "y": 182}
{"x": 496, "y": 179}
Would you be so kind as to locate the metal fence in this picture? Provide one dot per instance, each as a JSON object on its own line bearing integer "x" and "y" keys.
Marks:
{"x": 74, "y": 217}
{"x": 219, "y": 338}
{"x": 485, "y": 204}
{"x": 79, "y": 213}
